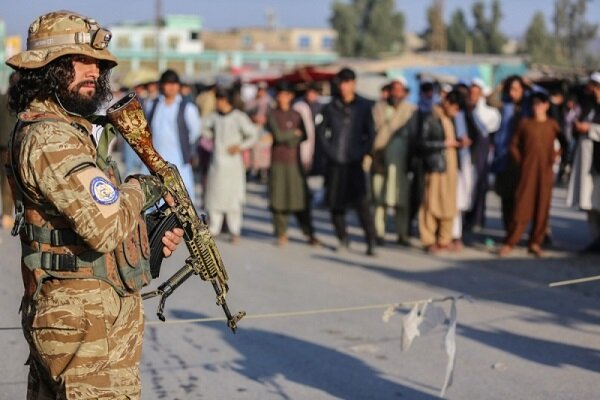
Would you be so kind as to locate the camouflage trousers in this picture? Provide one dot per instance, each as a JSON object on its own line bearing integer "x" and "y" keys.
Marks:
{"x": 85, "y": 341}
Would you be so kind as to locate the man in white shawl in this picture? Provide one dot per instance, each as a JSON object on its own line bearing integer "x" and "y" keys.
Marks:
{"x": 584, "y": 185}
{"x": 485, "y": 120}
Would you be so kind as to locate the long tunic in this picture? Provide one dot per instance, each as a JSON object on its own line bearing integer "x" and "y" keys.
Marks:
{"x": 440, "y": 187}
{"x": 346, "y": 133}
{"x": 390, "y": 149}
{"x": 226, "y": 183}
{"x": 165, "y": 135}
{"x": 307, "y": 147}
{"x": 582, "y": 185}
{"x": 532, "y": 147}
{"x": 287, "y": 185}
{"x": 466, "y": 173}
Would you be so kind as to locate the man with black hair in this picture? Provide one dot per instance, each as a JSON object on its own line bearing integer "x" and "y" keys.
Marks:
{"x": 176, "y": 125}
{"x": 437, "y": 146}
{"x": 85, "y": 250}
{"x": 232, "y": 132}
{"x": 288, "y": 191}
{"x": 532, "y": 149}
{"x": 346, "y": 132}
{"x": 584, "y": 184}
{"x": 389, "y": 180}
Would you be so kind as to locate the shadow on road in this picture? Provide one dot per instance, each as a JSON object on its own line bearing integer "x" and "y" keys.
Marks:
{"x": 519, "y": 282}
{"x": 267, "y": 355}
{"x": 540, "y": 351}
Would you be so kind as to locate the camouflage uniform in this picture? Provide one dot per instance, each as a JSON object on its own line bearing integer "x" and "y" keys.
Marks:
{"x": 84, "y": 241}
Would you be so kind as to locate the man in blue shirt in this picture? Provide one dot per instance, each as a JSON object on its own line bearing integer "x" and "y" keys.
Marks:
{"x": 175, "y": 124}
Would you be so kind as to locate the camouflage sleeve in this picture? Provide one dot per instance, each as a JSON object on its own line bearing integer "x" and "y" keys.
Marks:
{"x": 61, "y": 167}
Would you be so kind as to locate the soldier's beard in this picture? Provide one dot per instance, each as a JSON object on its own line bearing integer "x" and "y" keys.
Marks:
{"x": 76, "y": 103}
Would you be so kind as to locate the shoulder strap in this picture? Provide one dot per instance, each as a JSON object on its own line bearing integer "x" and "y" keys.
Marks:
{"x": 109, "y": 132}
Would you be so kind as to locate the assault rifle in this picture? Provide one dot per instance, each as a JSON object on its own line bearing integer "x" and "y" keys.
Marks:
{"x": 204, "y": 260}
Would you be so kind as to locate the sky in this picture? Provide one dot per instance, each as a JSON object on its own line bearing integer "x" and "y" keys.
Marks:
{"x": 223, "y": 14}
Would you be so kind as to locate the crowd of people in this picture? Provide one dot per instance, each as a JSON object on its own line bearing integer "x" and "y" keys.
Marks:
{"x": 85, "y": 250}
{"x": 430, "y": 165}
{"x": 426, "y": 167}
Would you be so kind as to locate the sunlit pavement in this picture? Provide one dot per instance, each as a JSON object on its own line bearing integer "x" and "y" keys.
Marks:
{"x": 515, "y": 339}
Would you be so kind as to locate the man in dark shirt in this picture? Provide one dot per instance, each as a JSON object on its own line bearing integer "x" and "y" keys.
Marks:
{"x": 288, "y": 192}
{"x": 346, "y": 131}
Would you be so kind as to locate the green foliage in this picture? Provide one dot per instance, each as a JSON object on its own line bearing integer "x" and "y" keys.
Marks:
{"x": 483, "y": 37}
{"x": 367, "y": 28}
{"x": 538, "y": 41}
{"x": 567, "y": 44}
{"x": 487, "y": 37}
{"x": 435, "y": 35}
{"x": 572, "y": 33}
{"x": 344, "y": 21}
{"x": 457, "y": 32}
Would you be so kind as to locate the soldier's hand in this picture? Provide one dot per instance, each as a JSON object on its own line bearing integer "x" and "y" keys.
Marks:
{"x": 169, "y": 199}
{"x": 171, "y": 240}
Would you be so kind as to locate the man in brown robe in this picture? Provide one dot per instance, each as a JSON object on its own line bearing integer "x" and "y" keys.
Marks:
{"x": 532, "y": 148}
{"x": 288, "y": 192}
{"x": 437, "y": 145}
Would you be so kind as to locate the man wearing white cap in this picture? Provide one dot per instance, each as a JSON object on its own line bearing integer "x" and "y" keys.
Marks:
{"x": 584, "y": 185}
{"x": 390, "y": 182}
{"x": 486, "y": 120}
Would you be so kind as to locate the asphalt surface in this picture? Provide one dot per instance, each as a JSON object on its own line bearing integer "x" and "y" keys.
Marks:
{"x": 516, "y": 338}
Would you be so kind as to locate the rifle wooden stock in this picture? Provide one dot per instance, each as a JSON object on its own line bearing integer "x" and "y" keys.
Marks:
{"x": 128, "y": 117}
{"x": 205, "y": 260}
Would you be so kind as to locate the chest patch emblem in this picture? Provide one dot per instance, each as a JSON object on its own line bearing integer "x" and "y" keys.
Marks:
{"x": 103, "y": 191}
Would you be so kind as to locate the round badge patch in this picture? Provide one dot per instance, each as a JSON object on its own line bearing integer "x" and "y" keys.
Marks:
{"x": 103, "y": 191}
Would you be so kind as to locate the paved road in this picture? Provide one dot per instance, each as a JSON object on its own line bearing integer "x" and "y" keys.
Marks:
{"x": 535, "y": 343}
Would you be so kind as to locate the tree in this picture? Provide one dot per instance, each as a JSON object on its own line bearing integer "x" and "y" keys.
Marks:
{"x": 487, "y": 37}
{"x": 572, "y": 32}
{"x": 538, "y": 40}
{"x": 435, "y": 34}
{"x": 496, "y": 38}
{"x": 367, "y": 28}
{"x": 457, "y": 32}
{"x": 344, "y": 22}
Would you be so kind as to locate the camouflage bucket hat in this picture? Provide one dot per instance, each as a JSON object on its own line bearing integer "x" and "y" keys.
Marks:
{"x": 60, "y": 33}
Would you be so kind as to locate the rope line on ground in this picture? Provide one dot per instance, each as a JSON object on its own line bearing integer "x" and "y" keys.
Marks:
{"x": 334, "y": 310}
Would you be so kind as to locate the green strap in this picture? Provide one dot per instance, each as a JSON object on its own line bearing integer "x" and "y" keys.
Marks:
{"x": 106, "y": 137}
{"x": 54, "y": 237}
{"x": 53, "y": 264}
{"x": 63, "y": 262}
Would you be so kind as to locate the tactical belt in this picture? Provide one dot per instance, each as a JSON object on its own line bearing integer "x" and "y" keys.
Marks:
{"x": 49, "y": 261}
{"x": 53, "y": 237}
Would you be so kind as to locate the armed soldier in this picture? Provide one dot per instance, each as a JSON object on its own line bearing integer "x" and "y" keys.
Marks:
{"x": 85, "y": 246}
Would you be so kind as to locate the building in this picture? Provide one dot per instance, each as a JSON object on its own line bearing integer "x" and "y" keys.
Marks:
{"x": 176, "y": 44}
{"x": 304, "y": 40}
{"x": 181, "y": 44}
